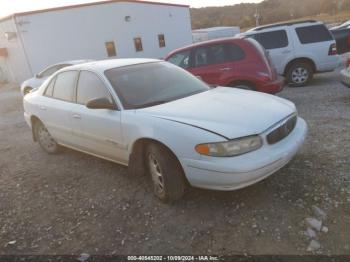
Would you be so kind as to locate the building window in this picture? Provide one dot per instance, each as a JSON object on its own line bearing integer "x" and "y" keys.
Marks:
{"x": 161, "y": 40}
{"x": 138, "y": 44}
{"x": 110, "y": 47}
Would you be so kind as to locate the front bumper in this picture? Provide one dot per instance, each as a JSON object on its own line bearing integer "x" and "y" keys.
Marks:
{"x": 233, "y": 173}
{"x": 272, "y": 87}
{"x": 345, "y": 77}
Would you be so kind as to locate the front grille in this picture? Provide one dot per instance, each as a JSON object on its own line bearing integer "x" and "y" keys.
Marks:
{"x": 282, "y": 131}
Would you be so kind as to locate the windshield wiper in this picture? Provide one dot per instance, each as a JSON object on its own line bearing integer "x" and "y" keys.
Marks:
{"x": 155, "y": 103}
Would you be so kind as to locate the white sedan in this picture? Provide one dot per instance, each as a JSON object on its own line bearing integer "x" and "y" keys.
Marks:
{"x": 158, "y": 119}
{"x": 36, "y": 81}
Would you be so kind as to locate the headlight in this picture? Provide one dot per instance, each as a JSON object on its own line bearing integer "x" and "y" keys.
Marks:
{"x": 230, "y": 148}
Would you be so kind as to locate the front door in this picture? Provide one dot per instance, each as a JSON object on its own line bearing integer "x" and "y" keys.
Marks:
{"x": 97, "y": 131}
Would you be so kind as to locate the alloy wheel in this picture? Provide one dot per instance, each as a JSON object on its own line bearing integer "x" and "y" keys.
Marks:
{"x": 156, "y": 174}
{"x": 300, "y": 75}
{"x": 46, "y": 139}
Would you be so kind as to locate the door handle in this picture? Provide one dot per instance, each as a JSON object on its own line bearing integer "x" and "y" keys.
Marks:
{"x": 226, "y": 69}
{"x": 43, "y": 107}
{"x": 77, "y": 116}
{"x": 286, "y": 52}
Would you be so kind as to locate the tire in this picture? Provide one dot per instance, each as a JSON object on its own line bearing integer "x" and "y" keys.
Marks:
{"x": 166, "y": 174}
{"x": 27, "y": 90}
{"x": 300, "y": 74}
{"x": 44, "y": 138}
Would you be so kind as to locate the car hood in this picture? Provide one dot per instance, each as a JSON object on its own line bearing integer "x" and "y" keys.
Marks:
{"x": 229, "y": 112}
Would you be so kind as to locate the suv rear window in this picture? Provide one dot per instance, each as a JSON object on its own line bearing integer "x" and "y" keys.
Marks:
{"x": 273, "y": 39}
{"x": 313, "y": 34}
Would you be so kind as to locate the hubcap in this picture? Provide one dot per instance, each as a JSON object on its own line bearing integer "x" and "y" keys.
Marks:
{"x": 156, "y": 173}
{"x": 46, "y": 139}
{"x": 300, "y": 75}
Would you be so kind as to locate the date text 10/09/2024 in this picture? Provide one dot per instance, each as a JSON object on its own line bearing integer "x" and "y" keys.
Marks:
{"x": 173, "y": 258}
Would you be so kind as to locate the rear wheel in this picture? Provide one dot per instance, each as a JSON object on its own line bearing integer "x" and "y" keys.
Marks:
{"x": 45, "y": 139}
{"x": 300, "y": 74}
{"x": 166, "y": 173}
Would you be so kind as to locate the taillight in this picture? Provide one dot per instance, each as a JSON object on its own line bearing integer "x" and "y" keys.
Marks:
{"x": 333, "y": 49}
{"x": 347, "y": 62}
{"x": 348, "y": 39}
{"x": 265, "y": 77}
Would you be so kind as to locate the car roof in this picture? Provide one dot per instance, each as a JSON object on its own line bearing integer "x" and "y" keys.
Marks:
{"x": 104, "y": 65}
{"x": 292, "y": 23}
{"x": 203, "y": 43}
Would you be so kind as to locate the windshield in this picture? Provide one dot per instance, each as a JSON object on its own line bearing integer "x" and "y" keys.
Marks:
{"x": 149, "y": 84}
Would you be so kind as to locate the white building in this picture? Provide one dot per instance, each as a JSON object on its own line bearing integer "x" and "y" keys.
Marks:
{"x": 204, "y": 34}
{"x": 31, "y": 41}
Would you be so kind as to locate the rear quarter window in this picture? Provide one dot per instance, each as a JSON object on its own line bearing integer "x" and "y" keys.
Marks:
{"x": 313, "y": 34}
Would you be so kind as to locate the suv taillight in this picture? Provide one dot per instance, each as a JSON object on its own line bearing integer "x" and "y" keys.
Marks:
{"x": 347, "y": 63}
{"x": 333, "y": 49}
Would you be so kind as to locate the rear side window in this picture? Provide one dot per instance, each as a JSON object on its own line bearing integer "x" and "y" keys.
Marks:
{"x": 235, "y": 52}
{"x": 49, "y": 89}
{"x": 64, "y": 85}
{"x": 273, "y": 39}
{"x": 209, "y": 55}
{"x": 313, "y": 34}
{"x": 90, "y": 87}
{"x": 181, "y": 59}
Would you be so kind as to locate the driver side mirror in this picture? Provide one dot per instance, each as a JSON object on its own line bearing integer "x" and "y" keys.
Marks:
{"x": 100, "y": 103}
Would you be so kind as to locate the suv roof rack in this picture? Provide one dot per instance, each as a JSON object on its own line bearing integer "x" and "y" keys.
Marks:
{"x": 283, "y": 24}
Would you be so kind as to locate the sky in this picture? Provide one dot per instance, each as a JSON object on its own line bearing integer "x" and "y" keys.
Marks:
{"x": 8, "y": 7}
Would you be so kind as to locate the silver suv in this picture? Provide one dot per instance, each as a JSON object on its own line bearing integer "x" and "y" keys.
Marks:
{"x": 298, "y": 49}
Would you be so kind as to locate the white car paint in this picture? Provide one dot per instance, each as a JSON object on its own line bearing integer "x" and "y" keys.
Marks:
{"x": 216, "y": 115}
{"x": 38, "y": 80}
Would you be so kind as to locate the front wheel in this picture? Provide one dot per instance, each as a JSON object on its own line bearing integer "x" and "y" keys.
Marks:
{"x": 166, "y": 173}
{"x": 45, "y": 139}
{"x": 299, "y": 74}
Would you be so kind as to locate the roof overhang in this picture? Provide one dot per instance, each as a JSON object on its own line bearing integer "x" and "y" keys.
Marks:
{"x": 89, "y": 4}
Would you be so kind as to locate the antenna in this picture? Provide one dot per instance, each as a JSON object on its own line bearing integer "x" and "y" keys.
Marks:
{"x": 257, "y": 17}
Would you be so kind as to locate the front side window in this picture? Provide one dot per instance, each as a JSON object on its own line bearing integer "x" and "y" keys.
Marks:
{"x": 181, "y": 59}
{"x": 90, "y": 86}
{"x": 65, "y": 85}
{"x": 313, "y": 34}
{"x": 149, "y": 84}
{"x": 273, "y": 39}
{"x": 138, "y": 44}
{"x": 210, "y": 55}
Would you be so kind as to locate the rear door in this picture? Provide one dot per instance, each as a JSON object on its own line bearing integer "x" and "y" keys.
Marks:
{"x": 97, "y": 131}
{"x": 316, "y": 40}
{"x": 211, "y": 63}
{"x": 278, "y": 45}
{"x": 59, "y": 100}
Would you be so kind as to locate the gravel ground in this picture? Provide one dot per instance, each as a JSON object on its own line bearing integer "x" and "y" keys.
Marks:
{"x": 73, "y": 203}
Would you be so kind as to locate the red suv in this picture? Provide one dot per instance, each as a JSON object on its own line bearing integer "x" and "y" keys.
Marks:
{"x": 231, "y": 62}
